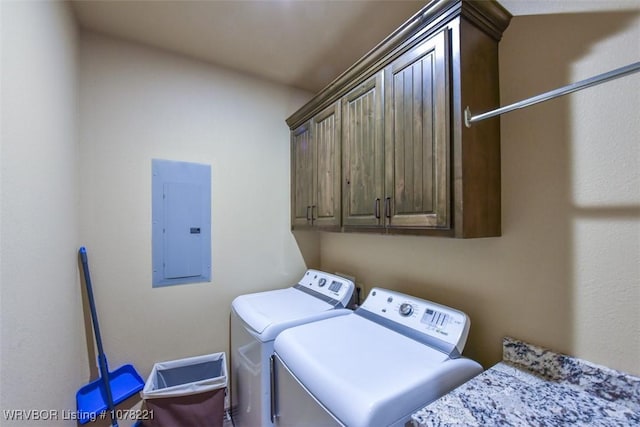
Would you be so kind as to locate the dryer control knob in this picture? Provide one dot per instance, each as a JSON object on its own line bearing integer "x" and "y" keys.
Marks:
{"x": 406, "y": 309}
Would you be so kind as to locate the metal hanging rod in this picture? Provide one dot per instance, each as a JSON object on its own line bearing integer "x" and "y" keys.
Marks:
{"x": 582, "y": 84}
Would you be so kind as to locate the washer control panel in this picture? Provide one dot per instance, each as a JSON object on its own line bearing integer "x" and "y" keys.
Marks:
{"x": 421, "y": 316}
{"x": 328, "y": 285}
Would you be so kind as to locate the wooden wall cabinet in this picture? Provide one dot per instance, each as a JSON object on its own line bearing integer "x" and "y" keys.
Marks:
{"x": 301, "y": 176}
{"x": 406, "y": 161}
{"x": 315, "y": 167}
{"x": 363, "y": 154}
{"x": 417, "y": 181}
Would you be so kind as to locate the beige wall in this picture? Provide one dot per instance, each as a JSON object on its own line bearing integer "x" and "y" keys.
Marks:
{"x": 42, "y": 361}
{"x": 137, "y": 104}
{"x": 82, "y": 117}
{"x": 566, "y": 272}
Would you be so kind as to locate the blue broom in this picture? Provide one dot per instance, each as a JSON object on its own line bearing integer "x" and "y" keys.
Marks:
{"x": 111, "y": 388}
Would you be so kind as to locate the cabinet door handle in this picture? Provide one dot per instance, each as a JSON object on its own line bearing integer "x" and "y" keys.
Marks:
{"x": 313, "y": 217}
{"x": 387, "y": 207}
{"x": 308, "y": 208}
{"x": 376, "y": 208}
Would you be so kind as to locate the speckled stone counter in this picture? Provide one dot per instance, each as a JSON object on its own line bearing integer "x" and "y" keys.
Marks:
{"x": 536, "y": 387}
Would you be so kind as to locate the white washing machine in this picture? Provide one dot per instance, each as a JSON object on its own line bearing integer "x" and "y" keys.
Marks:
{"x": 256, "y": 320}
{"x": 373, "y": 367}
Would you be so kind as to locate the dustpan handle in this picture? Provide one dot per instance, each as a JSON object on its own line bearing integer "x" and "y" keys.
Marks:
{"x": 102, "y": 358}
{"x": 92, "y": 304}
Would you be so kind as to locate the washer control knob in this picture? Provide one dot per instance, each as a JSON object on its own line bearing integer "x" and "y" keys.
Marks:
{"x": 406, "y": 309}
{"x": 322, "y": 282}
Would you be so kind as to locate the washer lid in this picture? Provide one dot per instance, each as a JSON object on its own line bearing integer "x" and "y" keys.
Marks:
{"x": 366, "y": 374}
{"x": 316, "y": 296}
{"x": 267, "y": 313}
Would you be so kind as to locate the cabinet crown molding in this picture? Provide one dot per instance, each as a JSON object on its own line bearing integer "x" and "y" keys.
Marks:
{"x": 488, "y": 15}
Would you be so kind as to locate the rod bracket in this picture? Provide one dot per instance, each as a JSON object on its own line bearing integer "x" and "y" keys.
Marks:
{"x": 467, "y": 117}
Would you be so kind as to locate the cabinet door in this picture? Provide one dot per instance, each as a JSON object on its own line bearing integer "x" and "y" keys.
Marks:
{"x": 363, "y": 151}
{"x": 325, "y": 208}
{"x": 301, "y": 176}
{"x": 417, "y": 137}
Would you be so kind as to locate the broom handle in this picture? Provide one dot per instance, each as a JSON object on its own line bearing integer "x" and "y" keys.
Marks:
{"x": 102, "y": 358}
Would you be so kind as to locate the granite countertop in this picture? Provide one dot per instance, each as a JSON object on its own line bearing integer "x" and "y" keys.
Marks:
{"x": 536, "y": 387}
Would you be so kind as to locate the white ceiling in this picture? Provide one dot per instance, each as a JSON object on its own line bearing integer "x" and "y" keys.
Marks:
{"x": 300, "y": 43}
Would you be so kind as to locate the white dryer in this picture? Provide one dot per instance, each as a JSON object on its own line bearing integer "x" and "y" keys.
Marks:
{"x": 373, "y": 367}
{"x": 256, "y": 320}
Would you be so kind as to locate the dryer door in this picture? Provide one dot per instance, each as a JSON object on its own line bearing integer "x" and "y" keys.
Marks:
{"x": 293, "y": 405}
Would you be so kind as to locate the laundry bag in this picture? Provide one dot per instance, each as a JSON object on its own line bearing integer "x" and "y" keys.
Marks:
{"x": 186, "y": 392}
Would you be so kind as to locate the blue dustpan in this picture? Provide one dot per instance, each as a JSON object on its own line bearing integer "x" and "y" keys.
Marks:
{"x": 112, "y": 387}
{"x": 92, "y": 399}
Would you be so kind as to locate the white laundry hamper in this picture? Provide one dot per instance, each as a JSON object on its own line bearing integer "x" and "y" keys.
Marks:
{"x": 187, "y": 392}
